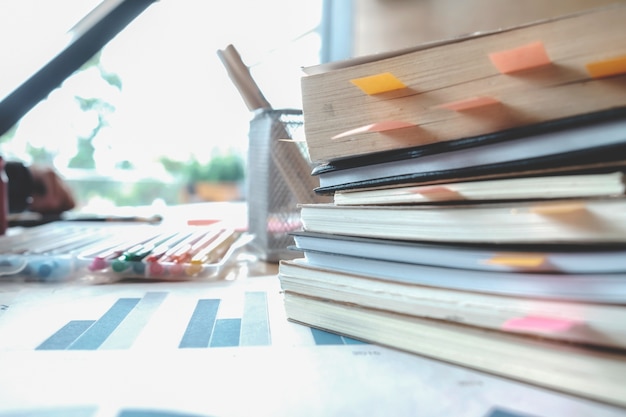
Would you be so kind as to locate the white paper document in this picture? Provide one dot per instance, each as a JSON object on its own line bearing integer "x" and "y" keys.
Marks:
{"x": 224, "y": 349}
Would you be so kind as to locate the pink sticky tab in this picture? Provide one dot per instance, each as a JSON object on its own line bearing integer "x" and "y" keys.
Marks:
{"x": 438, "y": 193}
{"x": 202, "y": 222}
{"x": 469, "y": 103}
{"x": 536, "y": 323}
{"x": 522, "y": 58}
{"x": 558, "y": 209}
{"x": 379, "y": 83}
{"x": 376, "y": 127}
{"x": 607, "y": 67}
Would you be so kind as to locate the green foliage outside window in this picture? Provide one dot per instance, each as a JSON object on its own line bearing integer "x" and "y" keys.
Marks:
{"x": 221, "y": 167}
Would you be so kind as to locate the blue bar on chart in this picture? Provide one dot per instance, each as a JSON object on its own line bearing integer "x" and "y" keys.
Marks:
{"x": 351, "y": 341}
{"x": 252, "y": 329}
{"x": 226, "y": 333}
{"x": 116, "y": 329}
{"x": 255, "y": 326}
{"x": 121, "y": 324}
{"x": 126, "y": 333}
{"x": 498, "y": 412}
{"x": 66, "y": 335}
{"x": 89, "y": 334}
{"x": 322, "y": 337}
{"x": 105, "y": 325}
{"x": 200, "y": 327}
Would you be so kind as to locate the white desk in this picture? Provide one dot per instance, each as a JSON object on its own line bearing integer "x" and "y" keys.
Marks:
{"x": 223, "y": 348}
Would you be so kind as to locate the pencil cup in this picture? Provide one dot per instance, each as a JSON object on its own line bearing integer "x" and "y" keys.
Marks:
{"x": 279, "y": 178}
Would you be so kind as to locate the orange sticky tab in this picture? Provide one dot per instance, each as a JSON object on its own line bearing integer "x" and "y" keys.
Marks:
{"x": 202, "y": 222}
{"x": 607, "y": 67}
{"x": 517, "y": 261}
{"x": 518, "y": 59}
{"x": 558, "y": 209}
{"x": 469, "y": 103}
{"x": 375, "y": 127}
{"x": 438, "y": 193}
{"x": 545, "y": 324}
{"x": 379, "y": 83}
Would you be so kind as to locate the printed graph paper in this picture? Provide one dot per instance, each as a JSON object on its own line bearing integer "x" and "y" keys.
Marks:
{"x": 192, "y": 349}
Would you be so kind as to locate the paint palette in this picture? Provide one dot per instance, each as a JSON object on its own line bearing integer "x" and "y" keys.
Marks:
{"x": 97, "y": 252}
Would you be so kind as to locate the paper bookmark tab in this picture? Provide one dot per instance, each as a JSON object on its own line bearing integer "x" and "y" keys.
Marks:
{"x": 438, "y": 193}
{"x": 469, "y": 103}
{"x": 518, "y": 261}
{"x": 379, "y": 83}
{"x": 544, "y": 324}
{"x": 607, "y": 67}
{"x": 522, "y": 58}
{"x": 376, "y": 127}
{"x": 559, "y": 209}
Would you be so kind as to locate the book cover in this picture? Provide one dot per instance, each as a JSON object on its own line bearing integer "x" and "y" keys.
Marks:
{"x": 587, "y": 145}
{"x": 567, "y": 221}
{"x": 522, "y": 188}
{"x": 592, "y": 287}
{"x": 468, "y": 87}
{"x": 596, "y": 374}
{"x": 566, "y": 259}
{"x": 585, "y": 323}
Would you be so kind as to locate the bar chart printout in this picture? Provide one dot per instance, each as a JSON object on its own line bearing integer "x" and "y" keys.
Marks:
{"x": 63, "y": 347}
{"x": 122, "y": 323}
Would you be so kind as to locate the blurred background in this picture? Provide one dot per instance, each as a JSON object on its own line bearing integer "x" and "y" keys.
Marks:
{"x": 154, "y": 113}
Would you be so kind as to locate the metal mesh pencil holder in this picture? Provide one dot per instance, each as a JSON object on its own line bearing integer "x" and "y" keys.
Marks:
{"x": 279, "y": 178}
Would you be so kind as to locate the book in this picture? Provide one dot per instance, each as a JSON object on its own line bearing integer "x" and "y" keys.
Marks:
{"x": 565, "y": 320}
{"x": 467, "y": 86}
{"x": 582, "y": 287}
{"x": 523, "y": 188}
{"x": 568, "y": 259}
{"x": 592, "y": 145}
{"x": 459, "y": 230}
{"x": 565, "y": 221}
{"x": 596, "y": 374}
{"x": 584, "y": 162}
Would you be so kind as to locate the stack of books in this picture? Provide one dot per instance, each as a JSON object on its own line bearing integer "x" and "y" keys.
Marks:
{"x": 479, "y": 209}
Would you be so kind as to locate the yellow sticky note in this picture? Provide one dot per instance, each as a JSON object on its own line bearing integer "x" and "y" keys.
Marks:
{"x": 516, "y": 261}
{"x": 607, "y": 67}
{"x": 379, "y": 83}
{"x": 559, "y": 209}
{"x": 469, "y": 103}
{"x": 521, "y": 58}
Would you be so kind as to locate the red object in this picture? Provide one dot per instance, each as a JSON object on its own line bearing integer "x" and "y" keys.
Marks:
{"x": 4, "y": 199}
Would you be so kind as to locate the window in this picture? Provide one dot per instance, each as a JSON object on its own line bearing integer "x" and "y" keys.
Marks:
{"x": 157, "y": 97}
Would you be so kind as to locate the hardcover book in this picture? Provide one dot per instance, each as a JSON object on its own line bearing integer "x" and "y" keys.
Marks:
{"x": 594, "y": 142}
{"x": 556, "y": 259}
{"x": 566, "y": 221}
{"x": 592, "y": 373}
{"x": 468, "y": 86}
{"x": 521, "y": 188}
{"x": 586, "y": 323}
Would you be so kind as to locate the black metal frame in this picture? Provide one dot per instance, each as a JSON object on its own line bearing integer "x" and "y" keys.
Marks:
{"x": 36, "y": 88}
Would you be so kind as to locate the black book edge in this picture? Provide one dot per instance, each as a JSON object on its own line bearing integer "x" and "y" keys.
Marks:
{"x": 609, "y": 158}
{"x": 520, "y": 132}
{"x": 462, "y": 246}
{"x": 37, "y": 87}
